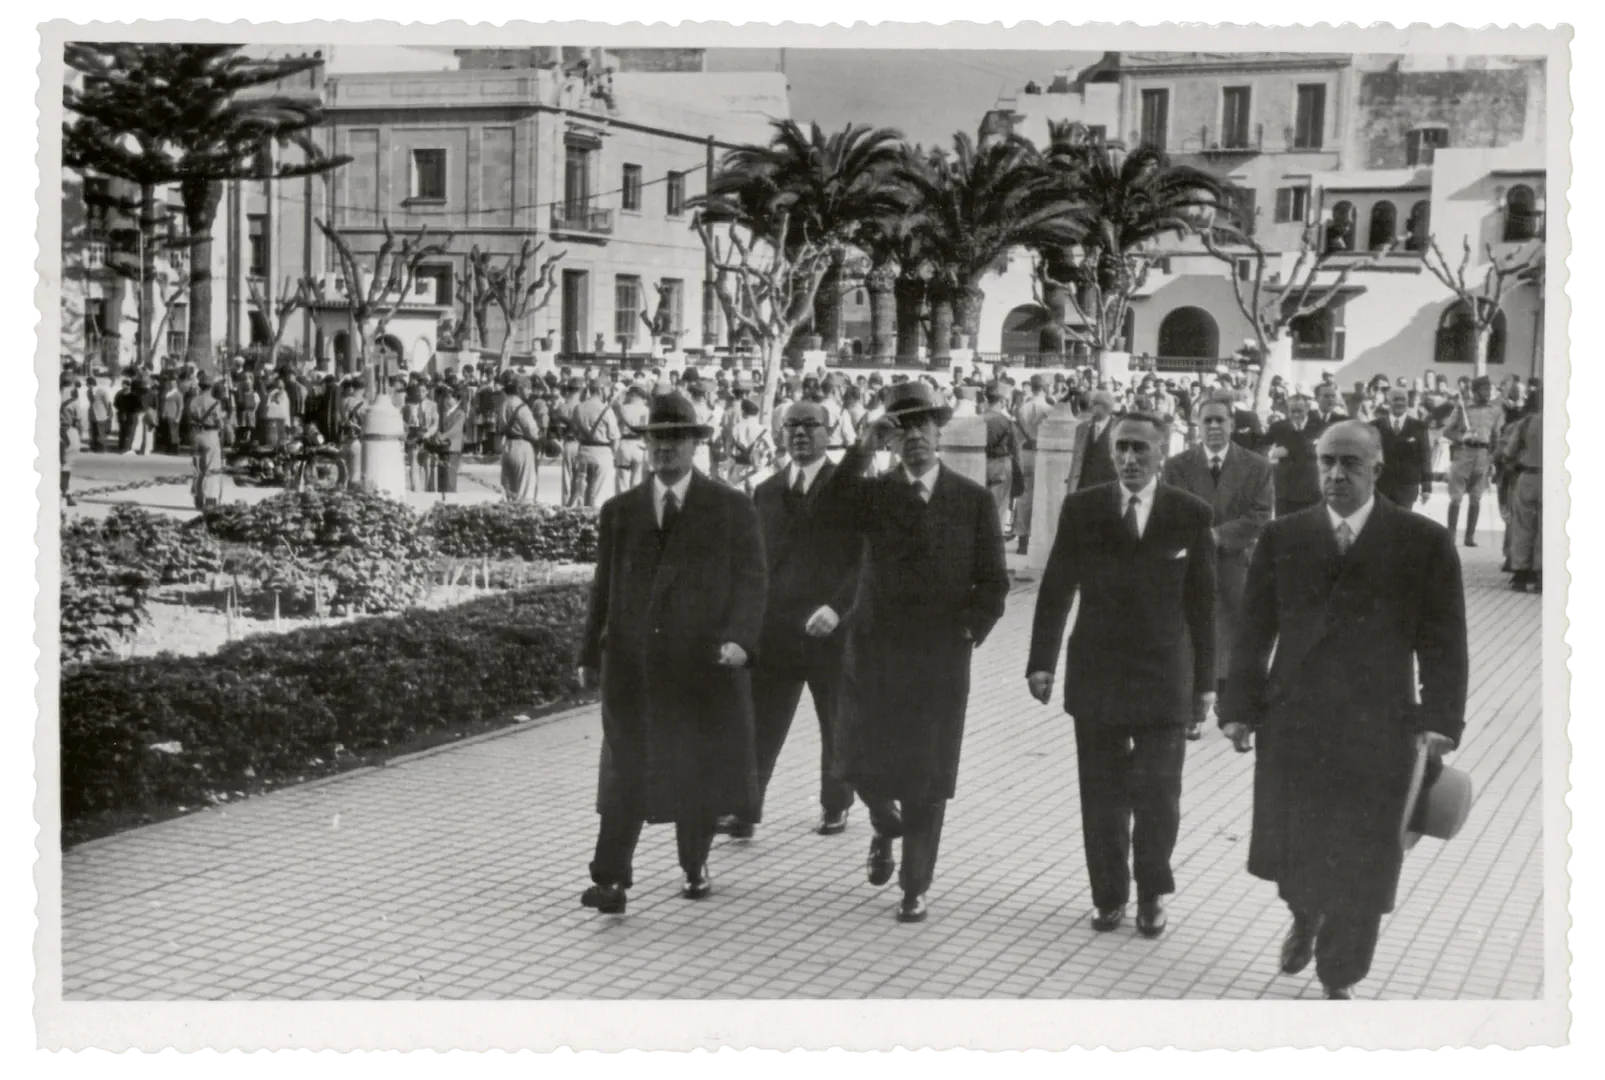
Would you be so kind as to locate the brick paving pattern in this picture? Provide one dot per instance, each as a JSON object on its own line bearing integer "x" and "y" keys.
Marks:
{"x": 457, "y": 874}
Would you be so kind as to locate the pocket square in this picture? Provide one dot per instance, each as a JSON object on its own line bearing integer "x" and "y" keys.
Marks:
{"x": 1182, "y": 554}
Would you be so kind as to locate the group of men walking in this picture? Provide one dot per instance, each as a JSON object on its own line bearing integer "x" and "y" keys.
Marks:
{"x": 1327, "y": 626}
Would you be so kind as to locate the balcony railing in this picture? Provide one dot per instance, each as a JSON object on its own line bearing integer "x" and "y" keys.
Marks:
{"x": 580, "y": 219}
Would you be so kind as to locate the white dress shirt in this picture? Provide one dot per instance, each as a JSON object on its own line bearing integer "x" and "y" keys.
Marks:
{"x": 1216, "y": 459}
{"x": 1145, "y": 503}
{"x": 926, "y": 480}
{"x": 810, "y": 473}
{"x": 1356, "y": 520}
{"x": 659, "y": 492}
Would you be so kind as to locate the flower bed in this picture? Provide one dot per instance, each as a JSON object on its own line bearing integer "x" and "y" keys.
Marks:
{"x": 144, "y": 737}
{"x": 514, "y": 531}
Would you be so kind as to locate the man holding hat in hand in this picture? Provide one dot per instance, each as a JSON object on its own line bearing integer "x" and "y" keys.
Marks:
{"x": 931, "y": 585}
{"x": 1350, "y": 665}
{"x": 676, "y": 610}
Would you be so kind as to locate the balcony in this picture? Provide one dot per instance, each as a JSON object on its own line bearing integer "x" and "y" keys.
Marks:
{"x": 582, "y": 221}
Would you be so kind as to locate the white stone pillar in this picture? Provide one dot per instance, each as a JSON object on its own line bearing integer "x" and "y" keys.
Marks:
{"x": 384, "y": 463}
{"x": 964, "y": 447}
{"x": 1056, "y": 441}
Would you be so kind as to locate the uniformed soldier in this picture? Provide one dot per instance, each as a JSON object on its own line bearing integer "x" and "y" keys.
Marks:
{"x": 629, "y": 457}
{"x": 563, "y": 429}
{"x": 595, "y": 429}
{"x": 1472, "y": 432}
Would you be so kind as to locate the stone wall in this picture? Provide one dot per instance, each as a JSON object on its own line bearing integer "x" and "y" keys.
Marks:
{"x": 1482, "y": 109}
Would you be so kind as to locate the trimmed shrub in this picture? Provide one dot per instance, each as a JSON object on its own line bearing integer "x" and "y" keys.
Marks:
{"x": 103, "y": 599}
{"x": 168, "y": 550}
{"x": 514, "y": 531}
{"x": 158, "y": 733}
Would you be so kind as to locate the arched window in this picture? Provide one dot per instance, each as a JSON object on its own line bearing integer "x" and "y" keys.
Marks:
{"x": 1023, "y": 330}
{"x": 1340, "y": 232}
{"x": 1189, "y": 333}
{"x": 342, "y": 351}
{"x": 1313, "y": 336}
{"x": 1457, "y": 337}
{"x": 1417, "y": 226}
{"x": 1384, "y": 226}
{"x": 260, "y": 334}
{"x": 1522, "y": 216}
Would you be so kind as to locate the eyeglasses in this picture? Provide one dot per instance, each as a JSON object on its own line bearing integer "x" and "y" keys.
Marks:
{"x": 803, "y": 425}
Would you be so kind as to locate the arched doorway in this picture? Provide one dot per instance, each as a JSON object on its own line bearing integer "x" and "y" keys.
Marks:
{"x": 261, "y": 334}
{"x": 388, "y": 352}
{"x": 342, "y": 352}
{"x": 1384, "y": 224}
{"x": 1189, "y": 333}
{"x": 1026, "y": 330}
{"x": 1457, "y": 337}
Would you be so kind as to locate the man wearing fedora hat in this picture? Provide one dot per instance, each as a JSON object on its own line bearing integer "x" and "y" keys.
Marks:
{"x": 1349, "y": 607}
{"x": 676, "y": 612}
{"x": 931, "y": 586}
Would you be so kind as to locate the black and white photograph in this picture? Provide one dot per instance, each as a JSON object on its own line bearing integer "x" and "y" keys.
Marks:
{"x": 801, "y": 516}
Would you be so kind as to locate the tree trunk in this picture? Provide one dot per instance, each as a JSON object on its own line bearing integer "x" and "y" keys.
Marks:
{"x": 908, "y": 296}
{"x": 1057, "y": 304}
{"x": 828, "y": 307}
{"x": 941, "y": 332}
{"x": 148, "y": 343}
{"x": 201, "y": 200}
{"x": 111, "y": 340}
{"x": 1485, "y": 337}
{"x": 967, "y": 314}
{"x": 1278, "y": 360}
{"x": 882, "y": 315}
{"x": 774, "y": 362}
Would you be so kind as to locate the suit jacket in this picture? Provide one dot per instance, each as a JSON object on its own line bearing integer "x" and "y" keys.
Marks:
{"x": 451, "y": 428}
{"x": 1335, "y": 710}
{"x": 1248, "y": 431}
{"x": 1298, "y": 478}
{"x": 1144, "y": 640}
{"x": 1091, "y": 461}
{"x": 1243, "y": 501}
{"x": 677, "y": 726}
{"x": 930, "y": 588}
{"x": 812, "y": 559}
{"x": 1406, "y": 456}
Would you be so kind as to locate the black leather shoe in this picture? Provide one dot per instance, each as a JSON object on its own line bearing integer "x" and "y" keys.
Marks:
{"x": 1107, "y": 919}
{"x": 606, "y": 899}
{"x": 1195, "y": 732}
{"x": 741, "y": 830}
{"x": 695, "y": 888}
{"x": 881, "y": 863}
{"x": 912, "y": 909}
{"x": 1471, "y": 540}
{"x": 832, "y": 824}
{"x": 1298, "y": 947}
{"x": 1338, "y": 993}
{"x": 727, "y": 824}
{"x": 1151, "y": 918}
{"x": 1025, "y": 546}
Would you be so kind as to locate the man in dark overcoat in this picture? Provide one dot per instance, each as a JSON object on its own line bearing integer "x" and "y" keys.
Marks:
{"x": 1239, "y": 486}
{"x": 1140, "y": 666}
{"x": 812, "y": 558}
{"x": 930, "y": 589}
{"x": 1349, "y": 607}
{"x": 676, "y": 611}
{"x": 1406, "y": 454}
{"x": 1290, "y": 446}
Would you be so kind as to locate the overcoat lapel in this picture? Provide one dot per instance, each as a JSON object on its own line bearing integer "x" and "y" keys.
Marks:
{"x": 669, "y": 563}
{"x": 1231, "y": 474}
{"x": 1345, "y": 574}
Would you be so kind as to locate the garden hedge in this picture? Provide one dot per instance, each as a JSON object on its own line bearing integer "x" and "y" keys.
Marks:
{"x": 514, "y": 531}
{"x": 145, "y": 735}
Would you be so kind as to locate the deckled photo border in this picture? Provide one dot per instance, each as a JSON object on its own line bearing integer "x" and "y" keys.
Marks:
{"x": 985, "y": 1024}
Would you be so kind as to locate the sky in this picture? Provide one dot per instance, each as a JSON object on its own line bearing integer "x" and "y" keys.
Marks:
{"x": 927, "y": 94}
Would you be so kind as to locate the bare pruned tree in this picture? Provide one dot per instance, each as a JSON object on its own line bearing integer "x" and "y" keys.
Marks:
{"x": 764, "y": 288}
{"x": 1482, "y": 299}
{"x": 377, "y": 286}
{"x": 1272, "y": 305}
{"x": 519, "y": 287}
{"x": 294, "y": 295}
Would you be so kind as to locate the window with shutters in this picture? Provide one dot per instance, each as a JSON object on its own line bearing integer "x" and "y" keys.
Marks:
{"x": 1292, "y": 204}
{"x": 1416, "y": 228}
{"x": 429, "y": 175}
{"x": 1384, "y": 226}
{"x": 676, "y": 197}
{"x": 256, "y": 234}
{"x": 1234, "y": 117}
{"x": 1309, "y": 126}
{"x": 178, "y": 329}
{"x": 626, "y": 306}
{"x": 1422, "y": 143}
{"x": 1523, "y": 218}
{"x": 632, "y": 187}
{"x": 1155, "y": 117}
{"x": 1318, "y": 336}
{"x": 674, "y": 300}
{"x": 1241, "y": 201}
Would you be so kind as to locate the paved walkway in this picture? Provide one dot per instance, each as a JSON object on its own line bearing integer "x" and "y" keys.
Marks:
{"x": 457, "y": 875}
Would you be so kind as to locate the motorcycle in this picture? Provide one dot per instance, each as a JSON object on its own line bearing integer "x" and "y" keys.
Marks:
{"x": 297, "y": 464}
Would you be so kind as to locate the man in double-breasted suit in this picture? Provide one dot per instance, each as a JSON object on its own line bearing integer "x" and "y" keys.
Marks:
{"x": 1290, "y": 445}
{"x": 1406, "y": 453}
{"x": 1240, "y": 487}
{"x": 676, "y": 611}
{"x": 1353, "y": 598}
{"x": 1091, "y": 462}
{"x": 930, "y": 589}
{"x": 1141, "y": 663}
{"x": 812, "y": 558}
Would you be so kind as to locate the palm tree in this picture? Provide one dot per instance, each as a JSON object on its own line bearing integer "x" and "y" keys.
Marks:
{"x": 975, "y": 205}
{"x": 1127, "y": 202}
{"x": 829, "y": 185}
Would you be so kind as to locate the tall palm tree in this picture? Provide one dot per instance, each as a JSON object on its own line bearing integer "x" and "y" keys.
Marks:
{"x": 975, "y": 205}
{"x": 829, "y": 184}
{"x": 1127, "y": 201}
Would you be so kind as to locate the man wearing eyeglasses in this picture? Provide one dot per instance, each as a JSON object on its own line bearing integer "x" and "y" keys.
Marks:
{"x": 812, "y": 558}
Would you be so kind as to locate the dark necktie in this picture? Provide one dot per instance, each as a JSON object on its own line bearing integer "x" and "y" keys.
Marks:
{"x": 1131, "y": 518}
{"x": 800, "y": 488}
{"x": 671, "y": 512}
{"x": 1214, "y": 469}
